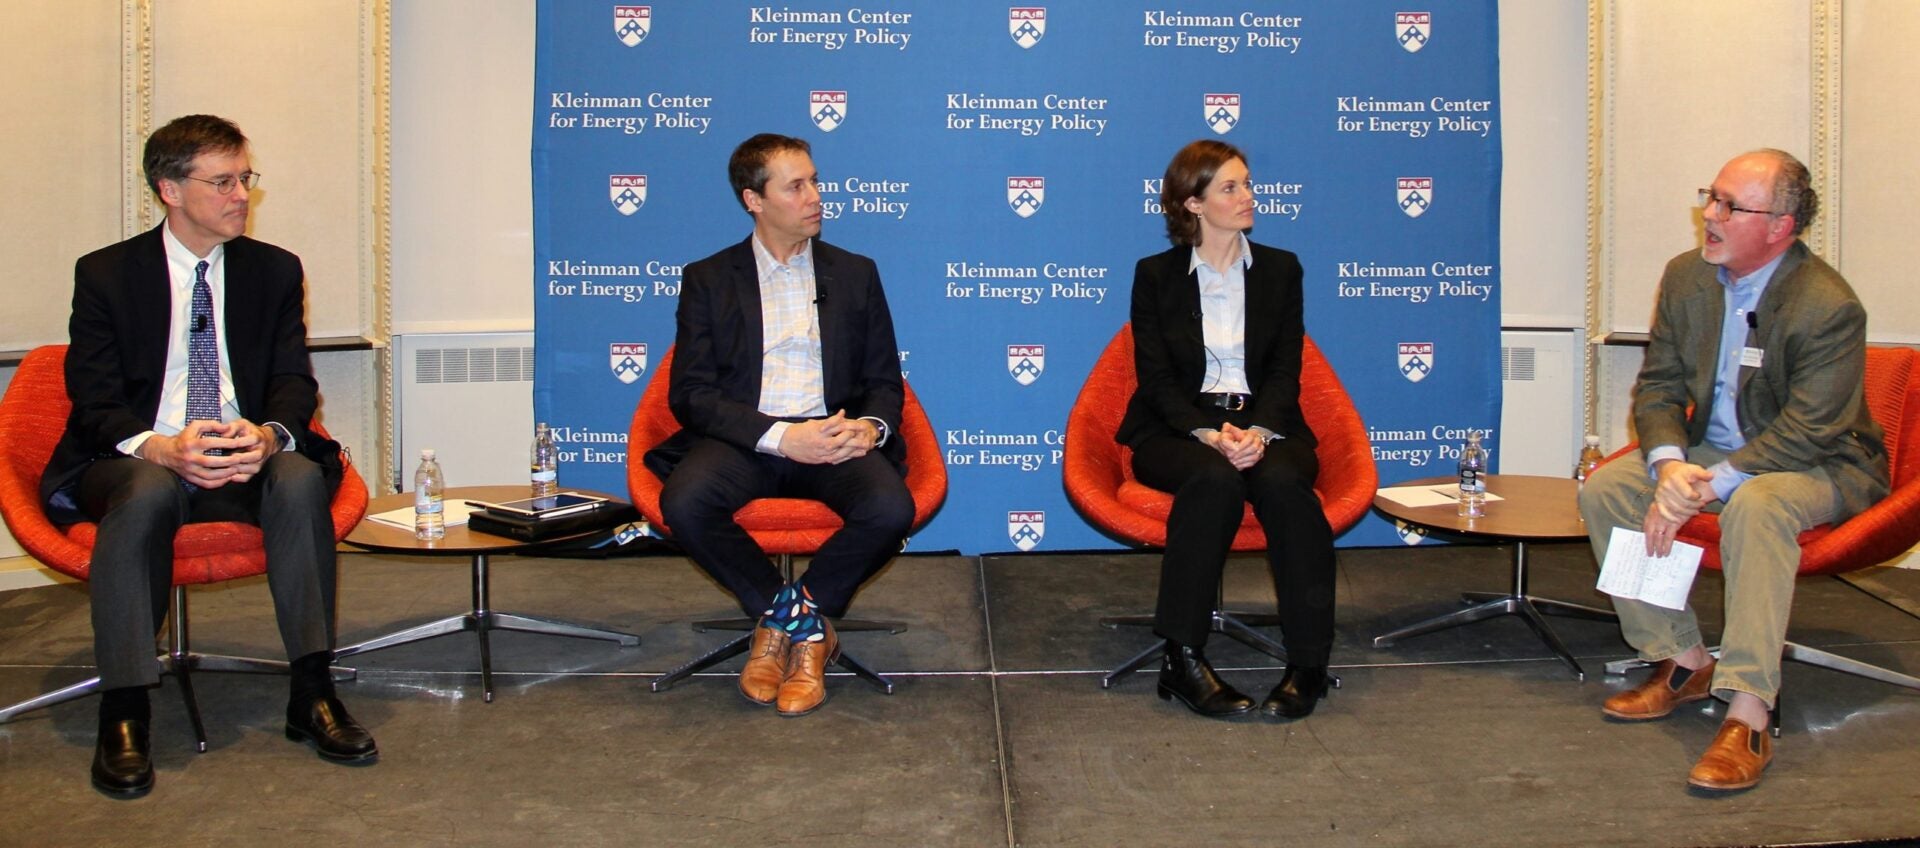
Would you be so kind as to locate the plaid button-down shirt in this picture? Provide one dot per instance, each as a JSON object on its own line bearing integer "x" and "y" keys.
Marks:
{"x": 792, "y": 382}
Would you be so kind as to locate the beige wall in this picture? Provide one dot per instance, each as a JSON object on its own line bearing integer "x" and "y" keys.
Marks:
{"x": 63, "y": 106}
{"x": 1684, "y": 86}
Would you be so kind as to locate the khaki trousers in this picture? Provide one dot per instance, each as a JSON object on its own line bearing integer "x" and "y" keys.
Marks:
{"x": 1759, "y": 553}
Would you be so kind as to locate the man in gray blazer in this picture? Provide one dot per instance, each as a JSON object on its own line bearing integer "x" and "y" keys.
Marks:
{"x": 1751, "y": 403}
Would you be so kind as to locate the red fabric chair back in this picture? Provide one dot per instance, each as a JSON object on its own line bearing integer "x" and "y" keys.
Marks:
{"x": 1888, "y": 528}
{"x": 780, "y": 525}
{"x": 33, "y": 415}
{"x": 1099, "y": 471}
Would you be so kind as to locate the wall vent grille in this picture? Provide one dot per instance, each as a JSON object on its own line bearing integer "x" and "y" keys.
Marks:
{"x": 473, "y": 365}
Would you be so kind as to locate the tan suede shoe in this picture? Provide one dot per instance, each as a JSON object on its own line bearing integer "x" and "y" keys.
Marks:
{"x": 805, "y": 688}
{"x": 766, "y": 664}
{"x": 1735, "y": 759}
{"x": 1657, "y": 696}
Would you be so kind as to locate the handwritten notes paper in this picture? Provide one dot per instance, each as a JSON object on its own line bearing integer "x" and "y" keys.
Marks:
{"x": 1661, "y": 581}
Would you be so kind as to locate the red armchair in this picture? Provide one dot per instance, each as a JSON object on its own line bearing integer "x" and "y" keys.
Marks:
{"x": 1880, "y": 533}
{"x": 32, "y": 417}
{"x": 1099, "y": 475}
{"x": 783, "y": 527}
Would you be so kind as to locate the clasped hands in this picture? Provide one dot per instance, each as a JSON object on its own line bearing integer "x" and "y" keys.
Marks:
{"x": 190, "y": 453}
{"x": 1241, "y": 447}
{"x": 829, "y": 441}
{"x": 1680, "y": 492}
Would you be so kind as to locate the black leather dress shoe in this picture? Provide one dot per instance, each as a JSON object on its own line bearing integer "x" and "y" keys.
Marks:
{"x": 1185, "y": 674}
{"x": 334, "y": 734}
{"x": 1300, "y": 688}
{"x": 123, "y": 759}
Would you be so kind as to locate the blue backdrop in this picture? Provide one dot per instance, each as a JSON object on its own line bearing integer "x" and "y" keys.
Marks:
{"x": 1002, "y": 166}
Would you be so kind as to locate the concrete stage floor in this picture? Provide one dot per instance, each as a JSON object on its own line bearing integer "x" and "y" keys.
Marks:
{"x": 999, "y": 732}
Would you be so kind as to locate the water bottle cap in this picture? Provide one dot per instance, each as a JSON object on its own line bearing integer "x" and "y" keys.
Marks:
{"x": 1593, "y": 441}
{"x": 426, "y": 453}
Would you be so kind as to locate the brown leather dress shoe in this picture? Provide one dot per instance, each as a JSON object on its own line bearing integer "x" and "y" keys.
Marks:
{"x": 805, "y": 688}
{"x": 1666, "y": 688}
{"x": 766, "y": 664}
{"x": 1735, "y": 759}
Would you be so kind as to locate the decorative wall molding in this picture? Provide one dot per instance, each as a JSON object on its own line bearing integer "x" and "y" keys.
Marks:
{"x": 377, "y": 94}
{"x": 1597, "y": 196}
{"x": 136, "y": 113}
{"x": 383, "y": 242}
{"x": 1823, "y": 149}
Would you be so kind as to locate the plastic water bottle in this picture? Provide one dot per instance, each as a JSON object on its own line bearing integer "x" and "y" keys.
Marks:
{"x": 1473, "y": 477}
{"x": 1590, "y": 458}
{"x": 429, "y": 517}
{"x": 544, "y": 460}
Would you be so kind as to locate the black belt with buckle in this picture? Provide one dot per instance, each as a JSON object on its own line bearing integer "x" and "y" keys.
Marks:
{"x": 1229, "y": 401}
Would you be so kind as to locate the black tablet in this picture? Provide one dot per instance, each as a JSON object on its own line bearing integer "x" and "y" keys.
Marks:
{"x": 551, "y": 506}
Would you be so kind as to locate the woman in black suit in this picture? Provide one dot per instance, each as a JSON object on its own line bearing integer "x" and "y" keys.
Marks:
{"x": 1216, "y": 421}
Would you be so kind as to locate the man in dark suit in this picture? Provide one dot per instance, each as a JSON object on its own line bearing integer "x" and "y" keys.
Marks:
{"x": 192, "y": 393}
{"x": 1750, "y": 402}
{"x": 786, "y": 382}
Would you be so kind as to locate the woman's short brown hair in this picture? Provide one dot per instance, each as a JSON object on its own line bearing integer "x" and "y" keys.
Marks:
{"x": 1188, "y": 175}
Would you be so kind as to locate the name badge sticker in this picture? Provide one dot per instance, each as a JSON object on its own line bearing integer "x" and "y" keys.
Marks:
{"x": 1750, "y": 357}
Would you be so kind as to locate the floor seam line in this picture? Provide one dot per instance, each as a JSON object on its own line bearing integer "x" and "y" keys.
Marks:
{"x": 993, "y": 688}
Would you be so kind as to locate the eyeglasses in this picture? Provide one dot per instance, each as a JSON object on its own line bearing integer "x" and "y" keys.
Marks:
{"x": 225, "y": 185}
{"x": 1708, "y": 200}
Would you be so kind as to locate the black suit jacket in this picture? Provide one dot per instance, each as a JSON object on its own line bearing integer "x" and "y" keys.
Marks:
{"x": 1170, "y": 356}
{"x": 117, "y": 358}
{"x": 714, "y": 389}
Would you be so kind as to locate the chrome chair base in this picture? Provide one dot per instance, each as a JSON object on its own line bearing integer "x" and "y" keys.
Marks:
{"x": 178, "y": 660}
{"x": 1515, "y": 601}
{"x": 1238, "y": 626}
{"x": 738, "y": 646}
{"x": 481, "y": 621}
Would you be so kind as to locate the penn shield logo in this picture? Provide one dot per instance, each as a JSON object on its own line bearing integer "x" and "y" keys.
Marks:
{"x": 1025, "y": 194}
{"x": 628, "y": 360}
{"x": 827, "y": 109}
{"x": 1026, "y": 529}
{"x": 1027, "y": 25}
{"x": 1414, "y": 195}
{"x": 1025, "y": 362}
{"x": 1410, "y": 534}
{"x": 1222, "y": 112}
{"x": 1416, "y": 360}
{"x": 1412, "y": 29}
{"x": 632, "y": 23}
{"x": 627, "y": 191}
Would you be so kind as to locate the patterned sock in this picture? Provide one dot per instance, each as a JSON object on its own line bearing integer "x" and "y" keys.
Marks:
{"x": 797, "y": 614}
{"x": 781, "y": 610}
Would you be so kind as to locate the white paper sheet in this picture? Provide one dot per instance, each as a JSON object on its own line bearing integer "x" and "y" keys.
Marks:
{"x": 1661, "y": 581}
{"x": 1417, "y": 496}
{"x": 454, "y": 511}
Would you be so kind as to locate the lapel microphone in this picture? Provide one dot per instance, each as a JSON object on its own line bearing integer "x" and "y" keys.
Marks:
{"x": 819, "y": 291}
{"x": 200, "y": 323}
{"x": 1753, "y": 321}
